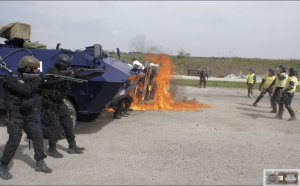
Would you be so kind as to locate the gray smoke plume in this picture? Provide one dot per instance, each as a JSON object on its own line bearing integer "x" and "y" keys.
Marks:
{"x": 139, "y": 43}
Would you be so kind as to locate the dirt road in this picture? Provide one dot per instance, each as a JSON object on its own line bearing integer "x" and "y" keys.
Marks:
{"x": 229, "y": 144}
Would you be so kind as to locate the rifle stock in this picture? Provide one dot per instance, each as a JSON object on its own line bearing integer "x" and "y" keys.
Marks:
{"x": 30, "y": 77}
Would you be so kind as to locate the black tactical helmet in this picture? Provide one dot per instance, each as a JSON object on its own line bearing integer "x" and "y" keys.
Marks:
{"x": 292, "y": 72}
{"x": 282, "y": 68}
{"x": 28, "y": 63}
{"x": 271, "y": 71}
{"x": 63, "y": 62}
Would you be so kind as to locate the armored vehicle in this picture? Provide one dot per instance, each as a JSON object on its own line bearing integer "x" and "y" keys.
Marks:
{"x": 84, "y": 98}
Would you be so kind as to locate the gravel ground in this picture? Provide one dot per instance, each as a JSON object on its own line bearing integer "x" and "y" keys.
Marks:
{"x": 230, "y": 143}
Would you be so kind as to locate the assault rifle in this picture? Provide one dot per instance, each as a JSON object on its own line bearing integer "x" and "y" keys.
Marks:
{"x": 87, "y": 73}
{"x": 66, "y": 78}
{"x": 83, "y": 73}
{"x": 30, "y": 77}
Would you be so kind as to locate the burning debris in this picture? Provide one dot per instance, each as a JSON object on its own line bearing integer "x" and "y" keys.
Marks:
{"x": 157, "y": 88}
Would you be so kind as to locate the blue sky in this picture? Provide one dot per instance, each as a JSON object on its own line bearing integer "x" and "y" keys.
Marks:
{"x": 268, "y": 29}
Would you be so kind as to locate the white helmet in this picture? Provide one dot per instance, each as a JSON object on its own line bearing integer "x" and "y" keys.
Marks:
{"x": 154, "y": 65}
{"x": 138, "y": 65}
{"x": 130, "y": 65}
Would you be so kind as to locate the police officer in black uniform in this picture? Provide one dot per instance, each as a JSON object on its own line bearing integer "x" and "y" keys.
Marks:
{"x": 127, "y": 100}
{"x": 57, "y": 111}
{"x": 20, "y": 102}
{"x": 124, "y": 101}
{"x": 203, "y": 77}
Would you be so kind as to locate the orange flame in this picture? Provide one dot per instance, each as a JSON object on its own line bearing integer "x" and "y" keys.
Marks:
{"x": 110, "y": 109}
{"x": 163, "y": 100}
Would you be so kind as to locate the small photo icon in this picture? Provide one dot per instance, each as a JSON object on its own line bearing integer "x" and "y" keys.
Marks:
{"x": 281, "y": 177}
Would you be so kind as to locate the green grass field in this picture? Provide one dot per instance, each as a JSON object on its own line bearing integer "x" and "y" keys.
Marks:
{"x": 218, "y": 66}
{"x": 221, "y": 66}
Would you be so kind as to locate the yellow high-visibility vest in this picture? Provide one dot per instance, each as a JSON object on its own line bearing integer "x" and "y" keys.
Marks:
{"x": 295, "y": 80}
{"x": 250, "y": 78}
{"x": 281, "y": 83}
{"x": 268, "y": 81}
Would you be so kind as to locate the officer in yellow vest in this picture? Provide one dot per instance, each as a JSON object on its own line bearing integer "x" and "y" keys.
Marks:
{"x": 288, "y": 94}
{"x": 251, "y": 80}
{"x": 279, "y": 83}
{"x": 265, "y": 83}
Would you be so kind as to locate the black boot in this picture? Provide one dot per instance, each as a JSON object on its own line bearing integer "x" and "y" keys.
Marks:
{"x": 279, "y": 116}
{"x": 117, "y": 116}
{"x": 126, "y": 112}
{"x": 54, "y": 153}
{"x": 255, "y": 103}
{"x": 292, "y": 113}
{"x": 4, "y": 172}
{"x": 293, "y": 118}
{"x": 123, "y": 114}
{"x": 42, "y": 167}
{"x": 73, "y": 148}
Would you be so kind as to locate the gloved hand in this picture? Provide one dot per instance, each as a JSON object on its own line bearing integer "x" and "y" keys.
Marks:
{"x": 49, "y": 76}
{"x": 80, "y": 70}
{"x": 39, "y": 90}
{"x": 43, "y": 77}
{"x": 98, "y": 73}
